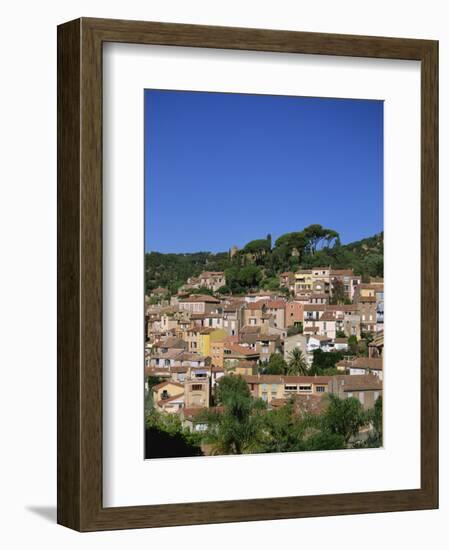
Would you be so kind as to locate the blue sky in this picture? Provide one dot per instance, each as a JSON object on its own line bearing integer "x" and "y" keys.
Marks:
{"x": 224, "y": 169}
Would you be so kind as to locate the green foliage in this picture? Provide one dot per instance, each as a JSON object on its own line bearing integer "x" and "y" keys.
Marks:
{"x": 324, "y": 441}
{"x": 275, "y": 365}
{"x": 172, "y": 426}
{"x": 243, "y": 279}
{"x": 314, "y": 245}
{"x": 258, "y": 249}
{"x": 344, "y": 417}
{"x": 230, "y": 388}
{"x": 236, "y": 429}
{"x": 375, "y": 439}
{"x": 296, "y": 329}
{"x": 323, "y": 360}
{"x": 297, "y": 364}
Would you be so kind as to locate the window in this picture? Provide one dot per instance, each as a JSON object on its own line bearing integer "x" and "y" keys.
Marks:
{"x": 305, "y": 388}
{"x": 274, "y": 388}
{"x": 197, "y": 387}
{"x": 376, "y": 395}
{"x": 265, "y": 397}
{"x": 290, "y": 387}
{"x": 362, "y": 397}
{"x": 320, "y": 389}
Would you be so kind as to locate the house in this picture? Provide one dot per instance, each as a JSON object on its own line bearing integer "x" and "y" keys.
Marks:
{"x": 294, "y": 313}
{"x": 287, "y": 280}
{"x": 264, "y": 344}
{"x": 317, "y": 341}
{"x": 170, "y": 405}
{"x": 212, "y": 280}
{"x": 318, "y": 298}
{"x": 193, "y": 419}
{"x": 297, "y": 341}
{"x": 375, "y": 348}
{"x": 233, "y": 317}
{"x": 207, "y": 337}
{"x": 364, "y": 387}
{"x": 348, "y": 318}
{"x": 303, "y": 404}
{"x": 367, "y": 365}
{"x": 340, "y": 344}
{"x": 347, "y": 279}
{"x": 170, "y": 342}
{"x": 244, "y": 368}
{"x": 327, "y": 324}
{"x": 166, "y": 389}
{"x": 199, "y": 304}
{"x": 276, "y": 308}
{"x": 368, "y": 313}
{"x": 303, "y": 280}
{"x": 234, "y": 353}
{"x": 269, "y": 387}
{"x": 197, "y": 392}
{"x": 158, "y": 292}
{"x": 192, "y": 337}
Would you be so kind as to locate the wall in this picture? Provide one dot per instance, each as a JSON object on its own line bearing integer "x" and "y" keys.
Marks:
{"x": 28, "y": 274}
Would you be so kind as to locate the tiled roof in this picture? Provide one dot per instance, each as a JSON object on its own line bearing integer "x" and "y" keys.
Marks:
{"x": 358, "y": 382}
{"x": 281, "y": 379}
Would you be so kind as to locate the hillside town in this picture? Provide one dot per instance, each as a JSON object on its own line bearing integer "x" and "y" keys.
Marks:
{"x": 320, "y": 334}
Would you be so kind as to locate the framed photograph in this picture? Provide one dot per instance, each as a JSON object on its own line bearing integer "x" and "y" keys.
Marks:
{"x": 247, "y": 274}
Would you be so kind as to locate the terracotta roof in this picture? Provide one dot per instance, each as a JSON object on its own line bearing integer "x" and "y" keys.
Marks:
{"x": 206, "y": 274}
{"x": 200, "y": 298}
{"x": 342, "y": 272}
{"x": 248, "y": 329}
{"x": 240, "y": 350}
{"x": 374, "y": 363}
{"x": 315, "y": 307}
{"x": 172, "y": 342}
{"x": 281, "y": 379}
{"x": 341, "y": 340}
{"x": 170, "y": 399}
{"x": 256, "y": 305}
{"x": 275, "y": 304}
{"x": 190, "y": 357}
{"x": 327, "y": 316}
{"x": 343, "y": 307}
{"x": 165, "y": 383}
{"x": 311, "y": 329}
{"x": 321, "y": 338}
{"x": 358, "y": 382}
{"x": 303, "y": 404}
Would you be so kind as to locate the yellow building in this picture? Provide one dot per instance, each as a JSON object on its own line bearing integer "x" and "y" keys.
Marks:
{"x": 207, "y": 337}
{"x": 303, "y": 280}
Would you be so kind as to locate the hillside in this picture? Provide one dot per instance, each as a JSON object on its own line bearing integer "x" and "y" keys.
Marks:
{"x": 258, "y": 263}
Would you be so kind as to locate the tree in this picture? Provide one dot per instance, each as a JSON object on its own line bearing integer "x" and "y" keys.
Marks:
{"x": 237, "y": 428}
{"x": 375, "y": 416}
{"x": 297, "y": 364}
{"x": 275, "y": 365}
{"x": 338, "y": 292}
{"x": 231, "y": 387}
{"x": 344, "y": 417}
{"x": 325, "y": 360}
{"x": 353, "y": 345}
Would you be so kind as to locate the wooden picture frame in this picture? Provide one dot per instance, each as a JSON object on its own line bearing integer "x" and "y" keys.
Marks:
{"x": 80, "y": 504}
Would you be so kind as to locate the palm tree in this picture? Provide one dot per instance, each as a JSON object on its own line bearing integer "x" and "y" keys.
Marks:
{"x": 297, "y": 364}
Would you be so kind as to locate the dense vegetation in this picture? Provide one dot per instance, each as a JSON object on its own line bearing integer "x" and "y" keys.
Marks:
{"x": 258, "y": 264}
{"x": 243, "y": 424}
